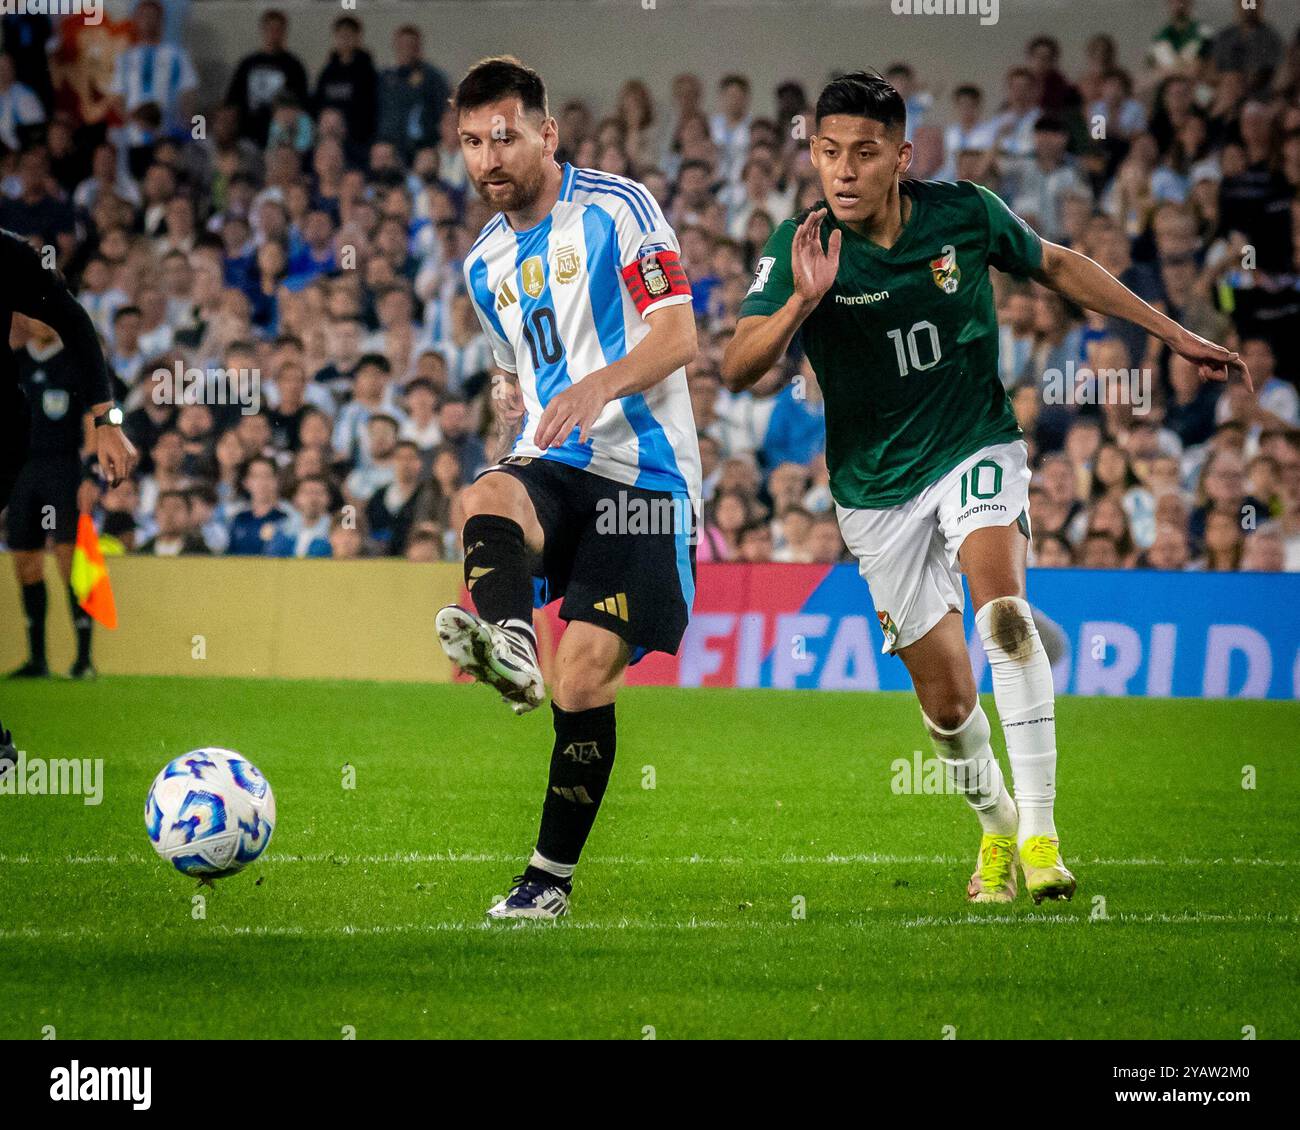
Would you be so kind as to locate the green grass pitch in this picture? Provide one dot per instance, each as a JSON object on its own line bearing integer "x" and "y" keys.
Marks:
{"x": 366, "y": 913}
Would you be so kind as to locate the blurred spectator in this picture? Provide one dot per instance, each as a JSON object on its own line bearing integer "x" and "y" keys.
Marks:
{"x": 155, "y": 74}
{"x": 348, "y": 82}
{"x": 307, "y": 532}
{"x": 263, "y": 75}
{"x": 253, "y": 530}
{"x": 175, "y": 535}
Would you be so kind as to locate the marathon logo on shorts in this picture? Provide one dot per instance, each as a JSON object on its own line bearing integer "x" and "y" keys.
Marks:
{"x": 655, "y": 276}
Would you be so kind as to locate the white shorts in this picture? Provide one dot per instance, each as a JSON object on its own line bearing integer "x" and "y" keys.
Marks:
{"x": 907, "y": 554}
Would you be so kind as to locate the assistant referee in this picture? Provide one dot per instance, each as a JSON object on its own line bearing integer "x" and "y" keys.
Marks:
{"x": 28, "y": 287}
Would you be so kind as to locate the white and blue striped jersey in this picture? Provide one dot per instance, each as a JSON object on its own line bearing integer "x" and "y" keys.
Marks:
{"x": 154, "y": 72}
{"x": 568, "y": 297}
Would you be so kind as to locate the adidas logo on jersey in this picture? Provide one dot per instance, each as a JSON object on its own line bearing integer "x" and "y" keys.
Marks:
{"x": 506, "y": 297}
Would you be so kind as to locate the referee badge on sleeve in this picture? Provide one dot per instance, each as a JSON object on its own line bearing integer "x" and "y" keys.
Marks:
{"x": 55, "y": 402}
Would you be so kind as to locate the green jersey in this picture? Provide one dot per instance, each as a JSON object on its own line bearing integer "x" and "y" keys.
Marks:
{"x": 905, "y": 343}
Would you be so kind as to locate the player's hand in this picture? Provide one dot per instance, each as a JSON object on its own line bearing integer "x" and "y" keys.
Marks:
{"x": 117, "y": 454}
{"x": 1213, "y": 362}
{"x": 507, "y": 403}
{"x": 814, "y": 269}
{"x": 576, "y": 407}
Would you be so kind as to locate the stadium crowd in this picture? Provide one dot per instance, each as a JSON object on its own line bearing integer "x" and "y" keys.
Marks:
{"x": 310, "y": 241}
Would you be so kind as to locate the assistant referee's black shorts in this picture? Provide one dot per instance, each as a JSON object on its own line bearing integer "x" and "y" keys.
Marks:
{"x": 622, "y": 558}
{"x": 44, "y": 502}
{"x": 15, "y": 427}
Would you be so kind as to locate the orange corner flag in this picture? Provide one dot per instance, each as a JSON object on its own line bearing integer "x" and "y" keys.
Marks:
{"x": 90, "y": 575}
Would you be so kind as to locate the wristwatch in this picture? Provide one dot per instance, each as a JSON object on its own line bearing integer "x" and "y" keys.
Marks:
{"x": 111, "y": 418}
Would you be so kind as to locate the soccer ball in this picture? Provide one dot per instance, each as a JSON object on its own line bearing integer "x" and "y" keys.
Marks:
{"x": 210, "y": 813}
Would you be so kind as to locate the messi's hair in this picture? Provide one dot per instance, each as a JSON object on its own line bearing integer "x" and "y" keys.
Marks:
{"x": 863, "y": 94}
{"x": 501, "y": 76}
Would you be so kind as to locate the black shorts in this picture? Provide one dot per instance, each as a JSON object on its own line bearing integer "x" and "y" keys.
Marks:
{"x": 44, "y": 482}
{"x": 15, "y": 425}
{"x": 621, "y": 557}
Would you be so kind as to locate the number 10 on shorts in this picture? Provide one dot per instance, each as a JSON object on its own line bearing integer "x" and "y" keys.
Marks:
{"x": 975, "y": 483}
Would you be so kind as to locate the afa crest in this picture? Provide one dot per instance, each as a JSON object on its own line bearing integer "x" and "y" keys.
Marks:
{"x": 568, "y": 263}
{"x": 653, "y": 277}
{"x": 947, "y": 275}
{"x": 532, "y": 276}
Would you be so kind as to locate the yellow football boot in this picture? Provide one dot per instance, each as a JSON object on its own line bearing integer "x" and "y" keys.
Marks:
{"x": 1046, "y": 876}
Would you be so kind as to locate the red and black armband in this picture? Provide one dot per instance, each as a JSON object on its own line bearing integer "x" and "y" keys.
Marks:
{"x": 654, "y": 277}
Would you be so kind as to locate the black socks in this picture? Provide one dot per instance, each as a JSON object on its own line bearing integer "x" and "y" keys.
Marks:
{"x": 497, "y": 571}
{"x": 580, "y": 768}
{"x": 83, "y": 624}
{"x": 35, "y": 602}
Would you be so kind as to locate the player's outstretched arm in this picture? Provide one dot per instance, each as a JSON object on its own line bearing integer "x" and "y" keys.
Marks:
{"x": 670, "y": 344}
{"x": 1088, "y": 284}
{"x": 760, "y": 341}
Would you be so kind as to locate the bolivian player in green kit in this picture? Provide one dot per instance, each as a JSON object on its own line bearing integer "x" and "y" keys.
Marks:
{"x": 888, "y": 281}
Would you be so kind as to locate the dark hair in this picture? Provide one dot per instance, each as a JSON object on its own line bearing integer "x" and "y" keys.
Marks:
{"x": 755, "y": 526}
{"x": 968, "y": 90}
{"x": 419, "y": 383}
{"x": 864, "y": 94}
{"x": 1048, "y": 41}
{"x": 347, "y": 21}
{"x": 374, "y": 360}
{"x": 164, "y": 494}
{"x": 501, "y": 76}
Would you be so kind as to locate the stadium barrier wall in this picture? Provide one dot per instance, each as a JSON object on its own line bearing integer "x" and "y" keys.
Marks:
{"x": 1196, "y": 635}
{"x": 257, "y": 617}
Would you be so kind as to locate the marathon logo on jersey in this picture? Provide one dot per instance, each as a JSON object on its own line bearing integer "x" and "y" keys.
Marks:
{"x": 947, "y": 275}
{"x": 656, "y": 275}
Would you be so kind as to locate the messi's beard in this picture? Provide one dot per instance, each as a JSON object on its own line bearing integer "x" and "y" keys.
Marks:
{"x": 523, "y": 191}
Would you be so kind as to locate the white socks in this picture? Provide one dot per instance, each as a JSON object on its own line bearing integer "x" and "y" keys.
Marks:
{"x": 1022, "y": 688}
{"x": 974, "y": 771}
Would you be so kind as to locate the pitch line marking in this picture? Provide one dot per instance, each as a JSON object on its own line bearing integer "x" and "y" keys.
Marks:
{"x": 1035, "y": 918}
{"x": 632, "y": 861}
